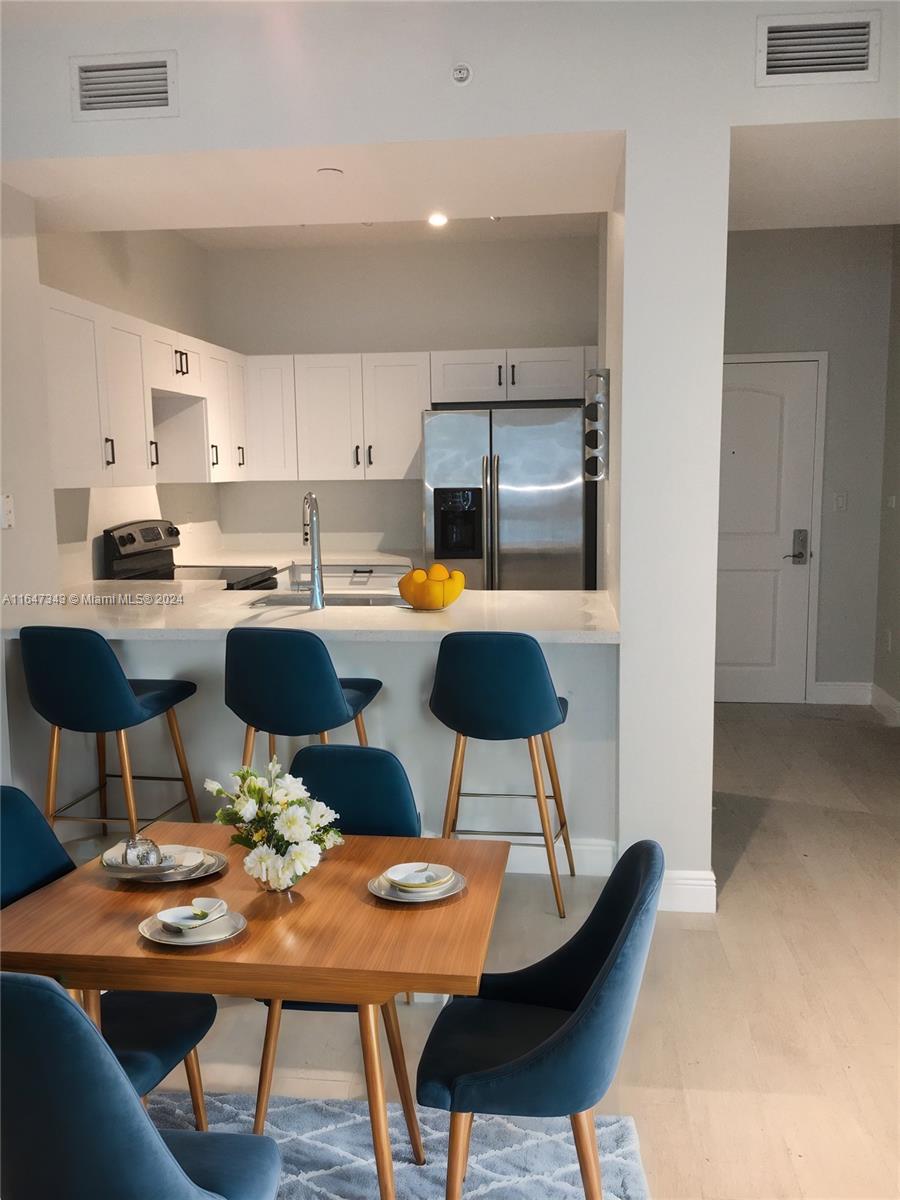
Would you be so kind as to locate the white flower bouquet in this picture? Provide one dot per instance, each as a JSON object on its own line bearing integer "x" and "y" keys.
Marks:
{"x": 277, "y": 820}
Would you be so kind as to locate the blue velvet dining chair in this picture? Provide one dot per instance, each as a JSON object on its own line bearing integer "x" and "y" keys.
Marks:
{"x": 284, "y": 682}
{"x": 545, "y": 1041}
{"x": 72, "y": 1126}
{"x": 370, "y": 791}
{"x": 149, "y": 1032}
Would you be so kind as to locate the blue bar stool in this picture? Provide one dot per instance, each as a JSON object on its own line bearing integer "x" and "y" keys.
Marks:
{"x": 76, "y": 682}
{"x": 497, "y": 687}
{"x": 284, "y": 682}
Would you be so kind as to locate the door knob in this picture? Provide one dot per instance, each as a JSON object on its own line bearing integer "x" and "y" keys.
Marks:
{"x": 800, "y": 549}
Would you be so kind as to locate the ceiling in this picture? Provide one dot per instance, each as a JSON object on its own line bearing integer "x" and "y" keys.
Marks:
{"x": 804, "y": 176}
{"x": 471, "y": 229}
{"x": 395, "y": 182}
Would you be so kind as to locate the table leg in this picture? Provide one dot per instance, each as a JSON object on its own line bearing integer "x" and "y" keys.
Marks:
{"x": 92, "y": 1004}
{"x": 267, "y": 1065}
{"x": 368, "y": 1032}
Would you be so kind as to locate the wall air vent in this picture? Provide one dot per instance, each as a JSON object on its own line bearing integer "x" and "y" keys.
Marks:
{"x": 115, "y": 86}
{"x": 818, "y": 48}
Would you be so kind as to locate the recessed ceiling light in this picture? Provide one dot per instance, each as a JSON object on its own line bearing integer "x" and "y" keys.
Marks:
{"x": 330, "y": 171}
{"x": 437, "y": 219}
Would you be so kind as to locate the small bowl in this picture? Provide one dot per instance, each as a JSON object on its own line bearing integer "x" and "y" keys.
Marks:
{"x": 183, "y": 919}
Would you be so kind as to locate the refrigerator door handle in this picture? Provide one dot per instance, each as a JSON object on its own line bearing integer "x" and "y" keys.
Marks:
{"x": 495, "y": 522}
{"x": 485, "y": 523}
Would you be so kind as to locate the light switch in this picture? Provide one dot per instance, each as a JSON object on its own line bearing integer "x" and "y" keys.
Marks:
{"x": 840, "y": 501}
{"x": 7, "y": 512}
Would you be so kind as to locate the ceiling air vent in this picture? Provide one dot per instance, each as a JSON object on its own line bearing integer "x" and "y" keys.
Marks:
{"x": 818, "y": 48}
{"x": 110, "y": 86}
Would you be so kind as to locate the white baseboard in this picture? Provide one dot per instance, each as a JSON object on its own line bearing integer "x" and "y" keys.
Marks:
{"x": 886, "y": 704}
{"x": 839, "y": 693}
{"x": 688, "y": 891}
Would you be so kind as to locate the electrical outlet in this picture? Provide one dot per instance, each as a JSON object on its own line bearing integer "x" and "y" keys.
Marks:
{"x": 840, "y": 501}
{"x": 7, "y": 512}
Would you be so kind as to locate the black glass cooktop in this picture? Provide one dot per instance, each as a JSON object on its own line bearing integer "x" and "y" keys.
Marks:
{"x": 233, "y": 577}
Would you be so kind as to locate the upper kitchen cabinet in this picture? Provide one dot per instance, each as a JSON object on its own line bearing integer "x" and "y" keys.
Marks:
{"x": 237, "y": 414}
{"x": 556, "y": 373}
{"x": 99, "y": 401}
{"x": 271, "y": 418}
{"x": 396, "y": 391}
{"x": 468, "y": 376}
{"x": 216, "y": 389}
{"x": 173, "y": 363}
{"x": 330, "y": 433}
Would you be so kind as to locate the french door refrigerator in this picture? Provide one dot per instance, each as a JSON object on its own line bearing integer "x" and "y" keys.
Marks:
{"x": 505, "y": 497}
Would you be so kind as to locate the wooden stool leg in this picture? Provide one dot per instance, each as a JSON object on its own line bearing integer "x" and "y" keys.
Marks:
{"x": 384, "y": 1162}
{"x": 468, "y": 1144}
{"x": 101, "y": 777}
{"x": 361, "y": 729}
{"x": 175, "y": 732}
{"x": 395, "y": 1044}
{"x": 545, "y": 822}
{"x": 588, "y": 1154}
{"x": 195, "y": 1084}
{"x": 267, "y": 1065}
{"x": 558, "y": 797}
{"x": 271, "y": 746}
{"x": 323, "y": 737}
{"x": 451, "y": 811}
{"x": 249, "y": 739}
{"x": 52, "y": 775}
{"x": 127, "y": 780}
{"x": 458, "y": 1153}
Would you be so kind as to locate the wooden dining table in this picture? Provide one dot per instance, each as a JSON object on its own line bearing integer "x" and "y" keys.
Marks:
{"x": 329, "y": 940}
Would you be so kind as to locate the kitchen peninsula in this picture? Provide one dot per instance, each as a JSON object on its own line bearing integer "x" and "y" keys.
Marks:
{"x": 176, "y": 632}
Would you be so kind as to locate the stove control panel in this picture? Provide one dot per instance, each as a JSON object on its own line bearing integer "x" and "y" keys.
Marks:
{"x": 137, "y": 537}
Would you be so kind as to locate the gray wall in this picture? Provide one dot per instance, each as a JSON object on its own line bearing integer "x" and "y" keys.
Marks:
{"x": 829, "y": 289}
{"x": 887, "y": 662}
{"x": 421, "y": 296}
{"x": 159, "y": 276}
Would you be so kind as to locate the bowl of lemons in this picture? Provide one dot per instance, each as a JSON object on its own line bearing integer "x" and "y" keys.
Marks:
{"x": 431, "y": 590}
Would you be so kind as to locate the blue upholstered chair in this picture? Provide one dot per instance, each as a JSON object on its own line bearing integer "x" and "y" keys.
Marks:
{"x": 497, "y": 687}
{"x": 76, "y": 682}
{"x": 284, "y": 682}
{"x": 149, "y": 1032}
{"x": 72, "y": 1126}
{"x": 370, "y": 791}
{"x": 546, "y": 1041}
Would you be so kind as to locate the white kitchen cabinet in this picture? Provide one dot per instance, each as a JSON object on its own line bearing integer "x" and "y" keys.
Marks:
{"x": 237, "y": 417}
{"x": 271, "y": 418}
{"x": 72, "y": 353}
{"x": 468, "y": 376}
{"x": 218, "y": 417}
{"x": 396, "y": 391}
{"x": 174, "y": 364}
{"x": 550, "y": 373}
{"x": 330, "y": 433}
{"x": 128, "y": 403}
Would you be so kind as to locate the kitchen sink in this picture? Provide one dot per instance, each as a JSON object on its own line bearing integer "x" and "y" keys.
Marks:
{"x": 340, "y": 600}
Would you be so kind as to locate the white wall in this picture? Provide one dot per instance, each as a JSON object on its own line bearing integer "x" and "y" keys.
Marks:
{"x": 887, "y": 661}
{"x": 159, "y": 276}
{"x": 829, "y": 289}
{"x": 423, "y": 296}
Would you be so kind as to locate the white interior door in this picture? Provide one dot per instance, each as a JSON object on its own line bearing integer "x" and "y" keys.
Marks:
{"x": 766, "y": 490}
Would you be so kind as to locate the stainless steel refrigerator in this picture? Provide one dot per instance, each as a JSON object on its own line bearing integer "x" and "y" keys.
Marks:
{"x": 506, "y": 499}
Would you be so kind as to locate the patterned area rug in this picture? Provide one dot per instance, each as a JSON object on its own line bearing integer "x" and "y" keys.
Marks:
{"x": 326, "y": 1147}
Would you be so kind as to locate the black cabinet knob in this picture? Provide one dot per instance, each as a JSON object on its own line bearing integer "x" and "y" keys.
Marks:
{"x": 173, "y": 531}
{"x": 130, "y": 538}
{"x": 123, "y": 540}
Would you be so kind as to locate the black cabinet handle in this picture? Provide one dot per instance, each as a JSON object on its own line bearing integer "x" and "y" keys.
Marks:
{"x": 512, "y": 379}
{"x": 187, "y": 362}
{"x": 178, "y": 369}
{"x": 356, "y": 456}
{"x": 154, "y": 454}
{"x": 499, "y": 375}
{"x": 111, "y": 443}
{"x": 241, "y": 460}
{"x": 215, "y": 454}
{"x": 369, "y": 459}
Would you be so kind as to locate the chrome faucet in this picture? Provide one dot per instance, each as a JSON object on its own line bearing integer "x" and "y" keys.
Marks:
{"x": 311, "y": 538}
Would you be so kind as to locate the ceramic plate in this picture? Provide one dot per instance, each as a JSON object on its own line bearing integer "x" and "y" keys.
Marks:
{"x": 185, "y": 919}
{"x": 211, "y": 863}
{"x": 414, "y": 876}
{"x": 217, "y": 931}
{"x": 386, "y": 891}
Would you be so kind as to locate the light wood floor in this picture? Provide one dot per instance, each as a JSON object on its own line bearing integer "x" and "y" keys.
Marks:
{"x": 763, "y": 1059}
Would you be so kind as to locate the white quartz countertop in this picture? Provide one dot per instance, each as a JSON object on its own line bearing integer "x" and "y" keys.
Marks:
{"x": 281, "y": 558}
{"x": 206, "y": 614}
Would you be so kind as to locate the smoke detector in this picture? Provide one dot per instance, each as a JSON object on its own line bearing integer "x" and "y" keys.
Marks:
{"x": 461, "y": 74}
